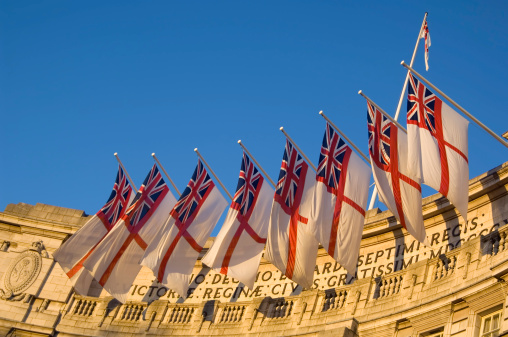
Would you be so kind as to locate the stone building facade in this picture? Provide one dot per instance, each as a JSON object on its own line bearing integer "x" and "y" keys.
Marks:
{"x": 455, "y": 287}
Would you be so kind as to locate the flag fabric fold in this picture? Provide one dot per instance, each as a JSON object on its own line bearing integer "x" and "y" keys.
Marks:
{"x": 73, "y": 252}
{"x": 173, "y": 255}
{"x": 438, "y": 145}
{"x": 238, "y": 247}
{"x": 290, "y": 246}
{"x": 425, "y": 35}
{"x": 114, "y": 262}
{"x": 340, "y": 200}
{"x": 399, "y": 190}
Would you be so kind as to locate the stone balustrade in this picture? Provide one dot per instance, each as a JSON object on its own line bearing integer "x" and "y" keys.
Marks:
{"x": 132, "y": 312}
{"x": 180, "y": 314}
{"x": 447, "y": 272}
{"x": 84, "y": 306}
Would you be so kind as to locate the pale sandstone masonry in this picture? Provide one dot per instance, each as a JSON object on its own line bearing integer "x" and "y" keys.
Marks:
{"x": 401, "y": 288}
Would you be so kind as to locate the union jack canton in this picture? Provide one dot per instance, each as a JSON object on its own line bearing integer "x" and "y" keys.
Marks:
{"x": 116, "y": 205}
{"x": 249, "y": 185}
{"x": 331, "y": 157}
{"x": 147, "y": 199}
{"x": 293, "y": 170}
{"x": 379, "y": 137}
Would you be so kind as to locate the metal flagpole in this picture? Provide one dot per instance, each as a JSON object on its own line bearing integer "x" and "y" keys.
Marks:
{"x": 126, "y": 173}
{"x": 345, "y": 137}
{"x": 374, "y": 193}
{"x": 167, "y": 175}
{"x": 299, "y": 150}
{"x": 255, "y": 161}
{"x": 411, "y": 64}
{"x": 383, "y": 112}
{"x": 505, "y": 143}
{"x": 211, "y": 171}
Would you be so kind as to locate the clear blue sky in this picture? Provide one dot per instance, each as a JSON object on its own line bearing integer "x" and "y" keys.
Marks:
{"x": 82, "y": 80}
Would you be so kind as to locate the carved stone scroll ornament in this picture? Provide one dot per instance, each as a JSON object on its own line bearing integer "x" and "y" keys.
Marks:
{"x": 21, "y": 274}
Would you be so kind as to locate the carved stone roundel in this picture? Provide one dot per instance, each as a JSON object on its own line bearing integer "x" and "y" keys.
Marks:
{"x": 23, "y": 272}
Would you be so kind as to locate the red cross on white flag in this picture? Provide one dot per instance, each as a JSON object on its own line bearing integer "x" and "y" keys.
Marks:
{"x": 291, "y": 247}
{"x": 238, "y": 247}
{"x": 398, "y": 189}
{"x": 437, "y": 142}
{"x": 79, "y": 246}
{"x": 114, "y": 262}
{"x": 340, "y": 200}
{"x": 173, "y": 255}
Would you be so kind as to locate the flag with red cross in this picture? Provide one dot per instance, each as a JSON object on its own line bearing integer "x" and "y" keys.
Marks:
{"x": 238, "y": 247}
{"x": 340, "y": 200}
{"x": 290, "y": 246}
{"x": 425, "y": 35}
{"x": 79, "y": 246}
{"x": 398, "y": 189}
{"x": 173, "y": 255}
{"x": 114, "y": 262}
{"x": 437, "y": 144}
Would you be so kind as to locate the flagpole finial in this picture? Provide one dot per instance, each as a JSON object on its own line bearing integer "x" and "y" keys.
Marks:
{"x": 239, "y": 141}
{"x": 359, "y": 92}
{"x": 321, "y": 112}
{"x": 196, "y": 149}
{"x": 115, "y": 154}
{"x": 153, "y": 154}
{"x": 281, "y": 128}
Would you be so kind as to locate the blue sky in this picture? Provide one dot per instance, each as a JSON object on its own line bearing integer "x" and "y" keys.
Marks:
{"x": 82, "y": 80}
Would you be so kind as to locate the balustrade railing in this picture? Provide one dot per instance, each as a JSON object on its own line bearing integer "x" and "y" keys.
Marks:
{"x": 280, "y": 308}
{"x": 132, "y": 312}
{"x": 334, "y": 299}
{"x": 181, "y": 315}
{"x": 232, "y": 314}
{"x": 84, "y": 307}
{"x": 445, "y": 266}
{"x": 388, "y": 286}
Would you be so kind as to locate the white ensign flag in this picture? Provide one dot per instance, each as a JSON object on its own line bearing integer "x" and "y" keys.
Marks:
{"x": 238, "y": 247}
{"x": 115, "y": 261}
{"x": 291, "y": 247}
{"x": 437, "y": 145}
{"x": 173, "y": 255}
{"x": 81, "y": 244}
{"x": 340, "y": 200}
{"x": 399, "y": 190}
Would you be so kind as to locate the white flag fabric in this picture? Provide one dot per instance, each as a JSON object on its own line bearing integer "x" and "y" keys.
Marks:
{"x": 290, "y": 246}
{"x": 399, "y": 190}
{"x": 114, "y": 262}
{"x": 173, "y": 255}
{"x": 340, "y": 200}
{"x": 238, "y": 247}
{"x": 438, "y": 145}
{"x": 73, "y": 252}
{"x": 425, "y": 35}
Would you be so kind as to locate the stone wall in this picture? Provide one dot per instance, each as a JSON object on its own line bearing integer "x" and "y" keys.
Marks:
{"x": 401, "y": 288}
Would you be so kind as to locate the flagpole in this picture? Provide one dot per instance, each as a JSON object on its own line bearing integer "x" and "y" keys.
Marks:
{"x": 345, "y": 137}
{"x": 483, "y": 126}
{"x": 255, "y": 161}
{"x": 167, "y": 175}
{"x": 126, "y": 173}
{"x": 211, "y": 171}
{"x": 299, "y": 150}
{"x": 374, "y": 192}
{"x": 383, "y": 112}
{"x": 411, "y": 64}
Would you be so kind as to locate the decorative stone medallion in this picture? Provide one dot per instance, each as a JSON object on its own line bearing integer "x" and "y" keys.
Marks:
{"x": 23, "y": 272}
